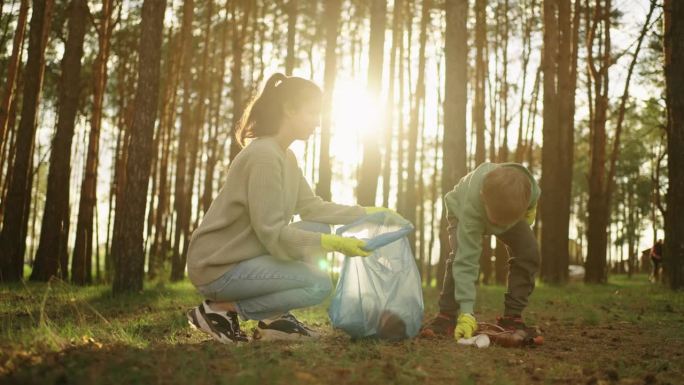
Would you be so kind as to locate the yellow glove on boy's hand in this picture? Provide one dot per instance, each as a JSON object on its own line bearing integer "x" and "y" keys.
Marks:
{"x": 466, "y": 325}
{"x": 347, "y": 246}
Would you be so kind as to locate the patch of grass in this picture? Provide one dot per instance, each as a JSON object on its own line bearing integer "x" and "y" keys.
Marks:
{"x": 622, "y": 332}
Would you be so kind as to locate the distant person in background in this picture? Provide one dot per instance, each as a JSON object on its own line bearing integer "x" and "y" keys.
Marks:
{"x": 657, "y": 260}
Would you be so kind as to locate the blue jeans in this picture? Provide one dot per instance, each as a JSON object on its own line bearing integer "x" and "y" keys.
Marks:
{"x": 265, "y": 286}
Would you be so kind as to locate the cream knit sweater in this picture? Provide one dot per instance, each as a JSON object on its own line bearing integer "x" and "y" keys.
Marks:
{"x": 250, "y": 216}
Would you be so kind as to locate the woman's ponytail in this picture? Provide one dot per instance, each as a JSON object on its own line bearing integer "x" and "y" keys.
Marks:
{"x": 263, "y": 114}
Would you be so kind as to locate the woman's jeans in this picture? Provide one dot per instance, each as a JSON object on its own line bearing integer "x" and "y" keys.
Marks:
{"x": 265, "y": 286}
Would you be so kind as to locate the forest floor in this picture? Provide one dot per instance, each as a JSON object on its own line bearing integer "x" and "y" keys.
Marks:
{"x": 626, "y": 332}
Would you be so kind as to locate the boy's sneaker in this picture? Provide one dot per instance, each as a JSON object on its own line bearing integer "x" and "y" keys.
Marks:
{"x": 532, "y": 334}
{"x": 441, "y": 326}
{"x": 285, "y": 327}
{"x": 511, "y": 322}
{"x": 223, "y": 326}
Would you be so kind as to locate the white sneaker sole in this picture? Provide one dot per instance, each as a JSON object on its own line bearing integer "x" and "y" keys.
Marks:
{"x": 276, "y": 335}
{"x": 205, "y": 328}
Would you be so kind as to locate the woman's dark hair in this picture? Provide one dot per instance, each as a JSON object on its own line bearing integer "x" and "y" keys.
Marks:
{"x": 264, "y": 113}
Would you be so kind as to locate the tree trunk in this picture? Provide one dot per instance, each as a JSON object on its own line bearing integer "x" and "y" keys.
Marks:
{"x": 370, "y": 169}
{"x": 596, "y": 271}
{"x": 674, "y": 62}
{"x": 15, "y": 220}
{"x": 390, "y": 106}
{"x": 411, "y": 203}
{"x": 599, "y": 206}
{"x": 12, "y": 72}
{"x": 239, "y": 25}
{"x": 83, "y": 246}
{"x": 455, "y": 101}
{"x": 332, "y": 22}
{"x": 480, "y": 77}
{"x": 127, "y": 242}
{"x": 183, "y": 184}
{"x": 404, "y": 73}
{"x": 559, "y": 63}
{"x": 54, "y": 228}
{"x": 291, "y": 58}
{"x": 526, "y": 51}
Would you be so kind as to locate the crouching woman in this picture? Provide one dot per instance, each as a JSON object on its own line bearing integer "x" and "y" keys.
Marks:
{"x": 246, "y": 258}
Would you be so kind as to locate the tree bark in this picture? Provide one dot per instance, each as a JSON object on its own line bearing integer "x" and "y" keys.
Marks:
{"x": 54, "y": 232}
{"x": 674, "y": 62}
{"x": 15, "y": 220}
{"x": 127, "y": 242}
{"x": 370, "y": 169}
{"x": 183, "y": 184}
{"x": 390, "y": 106}
{"x": 83, "y": 246}
{"x": 8, "y": 96}
{"x": 332, "y": 22}
{"x": 291, "y": 58}
{"x": 454, "y": 145}
{"x": 239, "y": 24}
{"x": 559, "y": 65}
{"x": 411, "y": 203}
{"x": 480, "y": 77}
{"x": 596, "y": 269}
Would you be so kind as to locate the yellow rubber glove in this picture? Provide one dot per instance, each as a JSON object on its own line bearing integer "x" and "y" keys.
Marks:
{"x": 347, "y": 246}
{"x": 466, "y": 325}
{"x": 373, "y": 210}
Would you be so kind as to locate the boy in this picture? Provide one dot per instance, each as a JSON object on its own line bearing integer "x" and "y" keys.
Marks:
{"x": 499, "y": 199}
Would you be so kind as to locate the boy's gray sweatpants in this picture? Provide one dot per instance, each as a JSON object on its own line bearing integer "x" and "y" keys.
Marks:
{"x": 523, "y": 262}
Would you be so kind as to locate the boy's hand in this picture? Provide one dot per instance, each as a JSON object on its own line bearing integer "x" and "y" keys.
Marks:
{"x": 466, "y": 325}
{"x": 345, "y": 245}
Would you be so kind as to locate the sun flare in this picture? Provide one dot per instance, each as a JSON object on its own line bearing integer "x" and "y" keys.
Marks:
{"x": 356, "y": 117}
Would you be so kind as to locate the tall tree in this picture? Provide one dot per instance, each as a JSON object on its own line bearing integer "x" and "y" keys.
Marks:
{"x": 291, "y": 58}
{"x": 480, "y": 79}
{"x": 127, "y": 242}
{"x": 51, "y": 257}
{"x": 370, "y": 169}
{"x": 409, "y": 209}
{"x": 600, "y": 184}
{"x": 597, "y": 236}
{"x": 15, "y": 220}
{"x": 183, "y": 184}
{"x": 559, "y": 64}
{"x": 674, "y": 79}
{"x": 455, "y": 101}
{"x": 8, "y": 96}
{"x": 83, "y": 245}
{"x": 332, "y": 23}
{"x": 390, "y": 106}
{"x": 240, "y": 11}
{"x": 161, "y": 242}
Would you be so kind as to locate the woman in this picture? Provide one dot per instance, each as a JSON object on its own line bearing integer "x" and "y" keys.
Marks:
{"x": 245, "y": 257}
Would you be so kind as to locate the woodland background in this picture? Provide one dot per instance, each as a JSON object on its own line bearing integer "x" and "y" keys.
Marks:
{"x": 117, "y": 117}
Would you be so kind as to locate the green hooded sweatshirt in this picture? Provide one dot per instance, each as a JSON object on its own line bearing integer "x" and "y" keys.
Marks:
{"x": 464, "y": 205}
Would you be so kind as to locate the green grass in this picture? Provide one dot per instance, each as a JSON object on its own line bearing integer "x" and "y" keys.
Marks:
{"x": 628, "y": 332}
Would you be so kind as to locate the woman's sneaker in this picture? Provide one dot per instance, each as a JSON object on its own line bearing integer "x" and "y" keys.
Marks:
{"x": 223, "y": 326}
{"x": 285, "y": 327}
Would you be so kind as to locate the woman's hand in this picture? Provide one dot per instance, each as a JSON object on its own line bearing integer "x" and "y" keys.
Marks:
{"x": 347, "y": 246}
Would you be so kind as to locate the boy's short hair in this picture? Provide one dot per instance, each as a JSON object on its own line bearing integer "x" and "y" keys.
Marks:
{"x": 506, "y": 194}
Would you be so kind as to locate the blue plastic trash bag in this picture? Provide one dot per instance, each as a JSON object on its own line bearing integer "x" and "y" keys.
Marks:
{"x": 379, "y": 295}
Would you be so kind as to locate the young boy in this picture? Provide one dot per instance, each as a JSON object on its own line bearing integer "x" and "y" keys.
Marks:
{"x": 499, "y": 199}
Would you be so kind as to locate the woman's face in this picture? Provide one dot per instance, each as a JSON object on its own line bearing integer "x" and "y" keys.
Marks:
{"x": 304, "y": 119}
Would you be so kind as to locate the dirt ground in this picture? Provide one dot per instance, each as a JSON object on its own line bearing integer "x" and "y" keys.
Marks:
{"x": 626, "y": 332}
